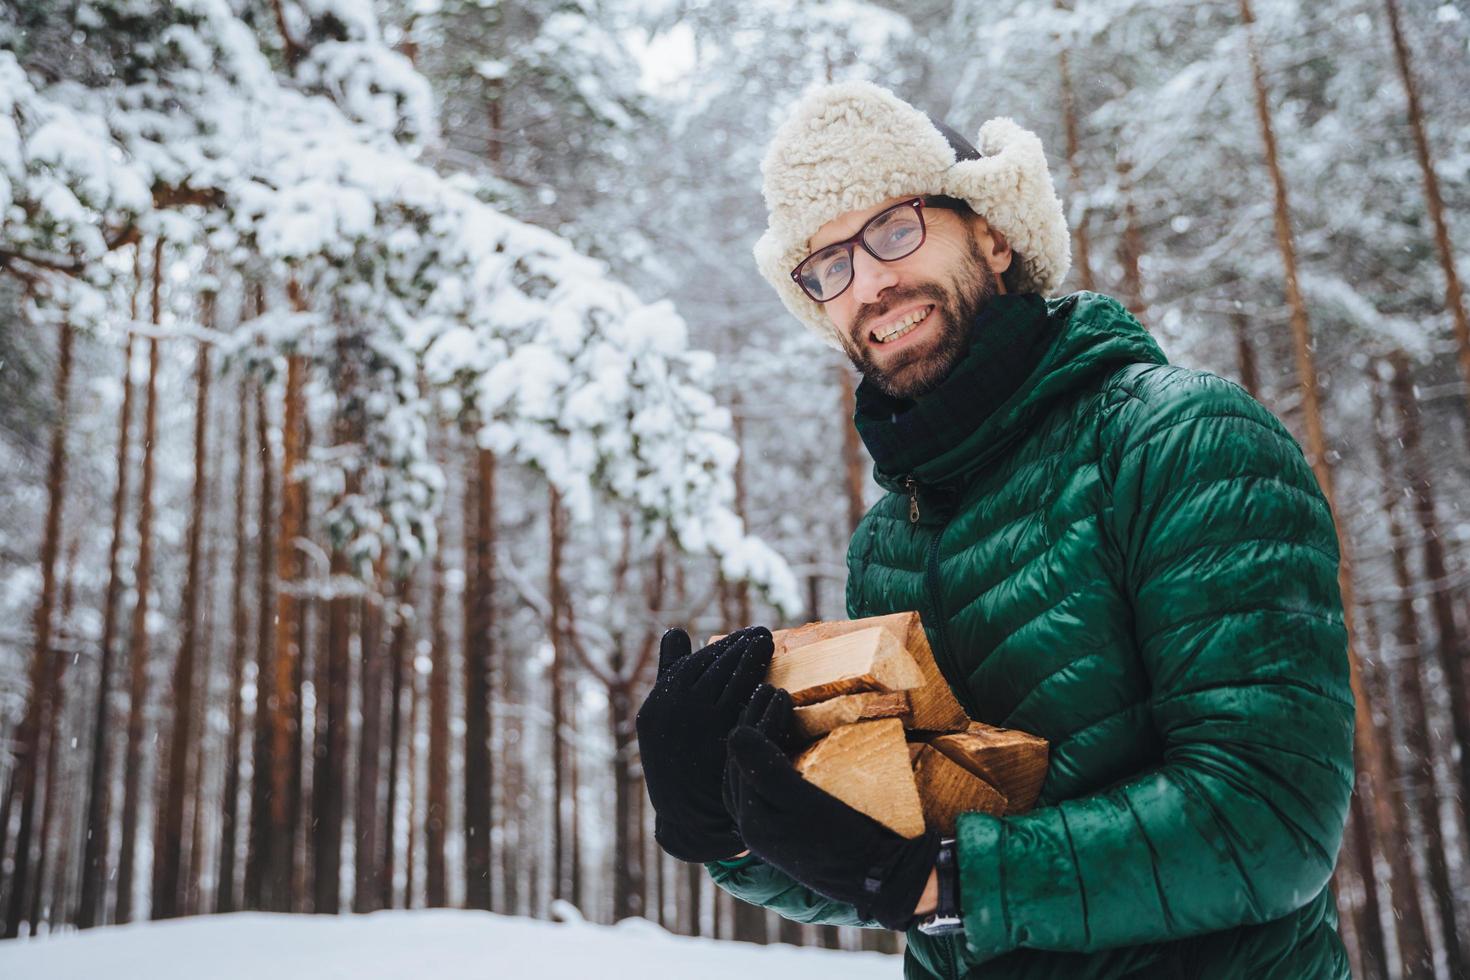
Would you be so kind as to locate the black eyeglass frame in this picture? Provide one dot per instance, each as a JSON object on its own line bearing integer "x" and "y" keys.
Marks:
{"x": 850, "y": 244}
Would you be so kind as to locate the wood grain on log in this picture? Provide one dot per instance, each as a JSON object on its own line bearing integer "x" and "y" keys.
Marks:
{"x": 1011, "y": 761}
{"x": 815, "y": 720}
{"x": 933, "y": 705}
{"x": 946, "y": 790}
{"x": 866, "y": 766}
{"x": 870, "y": 659}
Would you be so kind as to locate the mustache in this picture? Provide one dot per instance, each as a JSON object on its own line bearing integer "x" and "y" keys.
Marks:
{"x": 892, "y": 300}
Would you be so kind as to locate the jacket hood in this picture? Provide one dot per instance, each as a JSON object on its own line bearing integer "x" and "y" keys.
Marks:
{"x": 1094, "y": 335}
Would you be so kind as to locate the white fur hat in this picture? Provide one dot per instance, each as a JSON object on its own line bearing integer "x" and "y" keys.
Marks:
{"x": 851, "y": 145}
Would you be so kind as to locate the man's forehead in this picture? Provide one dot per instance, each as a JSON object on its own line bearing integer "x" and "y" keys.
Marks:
{"x": 847, "y": 224}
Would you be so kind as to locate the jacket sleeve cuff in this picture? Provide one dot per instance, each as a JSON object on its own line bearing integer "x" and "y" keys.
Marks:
{"x": 979, "y": 842}
{"x": 736, "y": 862}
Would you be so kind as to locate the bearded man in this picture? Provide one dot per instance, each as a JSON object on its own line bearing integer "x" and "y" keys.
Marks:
{"x": 1129, "y": 559}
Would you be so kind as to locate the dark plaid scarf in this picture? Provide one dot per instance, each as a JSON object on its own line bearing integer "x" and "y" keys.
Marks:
{"x": 1008, "y": 339}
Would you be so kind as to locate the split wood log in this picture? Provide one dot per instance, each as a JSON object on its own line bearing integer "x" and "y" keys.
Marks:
{"x": 870, "y": 659}
{"x": 933, "y": 706}
{"x": 946, "y": 790}
{"x": 866, "y": 766}
{"x": 815, "y": 720}
{"x": 1013, "y": 762}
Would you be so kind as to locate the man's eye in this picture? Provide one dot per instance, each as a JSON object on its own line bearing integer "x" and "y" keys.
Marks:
{"x": 834, "y": 268}
{"x": 899, "y": 234}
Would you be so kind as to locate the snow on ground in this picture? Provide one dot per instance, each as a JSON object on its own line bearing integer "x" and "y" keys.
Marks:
{"x": 443, "y": 944}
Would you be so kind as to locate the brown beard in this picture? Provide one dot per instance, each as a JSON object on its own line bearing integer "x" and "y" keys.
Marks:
{"x": 956, "y": 304}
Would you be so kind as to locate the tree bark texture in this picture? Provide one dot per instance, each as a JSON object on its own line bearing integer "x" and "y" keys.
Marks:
{"x": 1454, "y": 300}
{"x": 329, "y": 779}
{"x": 1419, "y": 774}
{"x": 1250, "y": 375}
{"x": 558, "y": 697}
{"x": 398, "y": 653}
{"x": 478, "y": 665}
{"x": 138, "y": 634}
{"x": 436, "y": 815}
{"x": 1452, "y": 646}
{"x": 260, "y": 841}
{"x": 168, "y": 839}
{"x": 853, "y": 462}
{"x": 1130, "y": 245}
{"x": 45, "y": 663}
{"x": 1369, "y": 754}
{"x": 283, "y": 708}
{"x": 230, "y": 795}
{"x": 1083, "y": 258}
{"x": 91, "y": 909}
{"x": 368, "y": 856}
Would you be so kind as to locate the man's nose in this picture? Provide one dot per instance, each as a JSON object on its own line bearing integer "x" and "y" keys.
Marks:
{"x": 870, "y": 277}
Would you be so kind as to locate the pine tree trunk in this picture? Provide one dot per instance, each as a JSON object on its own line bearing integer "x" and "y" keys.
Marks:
{"x": 655, "y": 893}
{"x": 437, "y": 813}
{"x": 558, "y": 700}
{"x": 1416, "y": 958}
{"x": 329, "y": 781}
{"x": 1083, "y": 258}
{"x": 138, "y": 634}
{"x": 283, "y": 707}
{"x": 53, "y": 707}
{"x": 750, "y": 923}
{"x": 1369, "y": 754}
{"x": 410, "y": 857}
{"x": 1130, "y": 246}
{"x": 329, "y": 775}
{"x": 230, "y": 796}
{"x": 168, "y": 840}
{"x": 516, "y": 854}
{"x": 1454, "y": 300}
{"x": 49, "y": 697}
{"x": 99, "y": 784}
{"x": 398, "y": 653}
{"x": 1451, "y": 641}
{"x": 694, "y": 884}
{"x": 258, "y": 859}
{"x": 1435, "y": 569}
{"x": 1250, "y": 375}
{"x": 1368, "y": 921}
{"x": 195, "y": 900}
{"x": 60, "y": 792}
{"x": 574, "y": 816}
{"x": 299, "y": 816}
{"x": 853, "y": 463}
{"x": 478, "y": 665}
{"x": 1420, "y": 775}
{"x": 628, "y": 859}
{"x": 367, "y": 857}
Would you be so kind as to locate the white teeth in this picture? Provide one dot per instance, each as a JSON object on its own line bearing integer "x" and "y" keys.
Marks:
{"x": 903, "y": 326}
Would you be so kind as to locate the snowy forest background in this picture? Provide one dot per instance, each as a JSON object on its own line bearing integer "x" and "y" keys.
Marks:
{"x": 378, "y": 380}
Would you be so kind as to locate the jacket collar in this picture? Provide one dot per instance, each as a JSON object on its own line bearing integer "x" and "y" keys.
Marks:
{"x": 1025, "y": 355}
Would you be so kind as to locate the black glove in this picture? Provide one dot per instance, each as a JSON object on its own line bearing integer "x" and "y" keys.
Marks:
{"x": 810, "y": 834}
{"x": 681, "y": 737}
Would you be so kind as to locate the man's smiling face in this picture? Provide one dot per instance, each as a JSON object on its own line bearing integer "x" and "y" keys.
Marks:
{"x": 905, "y": 323}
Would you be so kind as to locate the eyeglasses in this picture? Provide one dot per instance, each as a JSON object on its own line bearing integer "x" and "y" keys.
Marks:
{"x": 887, "y": 236}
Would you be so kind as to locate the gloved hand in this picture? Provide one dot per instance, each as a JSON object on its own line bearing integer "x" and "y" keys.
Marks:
{"x": 682, "y": 726}
{"x": 810, "y": 834}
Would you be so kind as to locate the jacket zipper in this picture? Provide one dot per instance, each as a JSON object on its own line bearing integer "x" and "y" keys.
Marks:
{"x": 911, "y": 487}
{"x": 943, "y": 655}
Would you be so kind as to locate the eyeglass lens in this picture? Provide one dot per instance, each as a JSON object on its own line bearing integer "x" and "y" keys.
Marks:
{"x": 888, "y": 235}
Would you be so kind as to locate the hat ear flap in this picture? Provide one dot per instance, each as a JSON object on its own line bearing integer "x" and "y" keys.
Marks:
{"x": 775, "y": 264}
{"x": 1010, "y": 186}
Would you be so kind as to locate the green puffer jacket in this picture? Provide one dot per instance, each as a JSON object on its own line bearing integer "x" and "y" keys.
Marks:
{"x": 1133, "y": 561}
